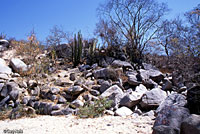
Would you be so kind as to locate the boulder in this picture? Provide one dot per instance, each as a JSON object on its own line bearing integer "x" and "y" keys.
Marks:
{"x": 18, "y": 65}
{"x": 148, "y": 66}
{"x": 191, "y": 125}
{"x": 4, "y": 76}
{"x": 4, "y": 44}
{"x": 105, "y": 73}
{"x": 123, "y": 111}
{"x": 104, "y": 85}
{"x": 132, "y": 98}
{"x": 162, "y": 129}
{"x": 133, "y": 78}
{"x": 74, "y": 90}
{"x": 129, "y": 100}
{"x": 113, "y": 93}
{"x": 155, "y": 75}
{"x": 167, "y": 85}
{"x": 119, "y": 63}
{"x": 193, "y": 98}
{"x": 61, "y": 100}
{"x": 4, "y": 101}
{"x": 72, "y": 77}
{"x": 77, "y": 103}
{"x": 173, "y": 99}
{"x": 54, "y": 90}
{"x": 4, "y": 69}
{"x": 153, "y": 98}
{"x": 171, "y": 116}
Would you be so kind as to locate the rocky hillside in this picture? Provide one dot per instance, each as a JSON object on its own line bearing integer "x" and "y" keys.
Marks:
{"x": 116, "y": 88}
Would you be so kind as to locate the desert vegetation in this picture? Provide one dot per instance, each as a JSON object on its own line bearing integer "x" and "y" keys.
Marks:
{"x": 137, "y": 63}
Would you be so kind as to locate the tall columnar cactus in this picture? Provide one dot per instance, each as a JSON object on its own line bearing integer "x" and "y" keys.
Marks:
{"x": 77, "y": 49}
{"x": 92, "y": 47}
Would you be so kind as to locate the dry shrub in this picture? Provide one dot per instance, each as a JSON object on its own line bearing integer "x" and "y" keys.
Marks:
{"x": 29, "y": 50}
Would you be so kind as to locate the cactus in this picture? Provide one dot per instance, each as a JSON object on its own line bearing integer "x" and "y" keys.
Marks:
{"x": 92, "y": 47}
{"x": 77, "y": 49}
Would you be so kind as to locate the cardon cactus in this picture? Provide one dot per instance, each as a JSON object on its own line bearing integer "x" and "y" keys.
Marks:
{"x": 92, "y": 47}
{"x": 77, "y": 48}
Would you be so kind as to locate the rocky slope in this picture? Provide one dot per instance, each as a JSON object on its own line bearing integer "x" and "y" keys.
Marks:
{"x": 134, "y": 92}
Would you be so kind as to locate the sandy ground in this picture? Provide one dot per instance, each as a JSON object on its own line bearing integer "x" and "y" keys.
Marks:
{"x": 74, "y": 125}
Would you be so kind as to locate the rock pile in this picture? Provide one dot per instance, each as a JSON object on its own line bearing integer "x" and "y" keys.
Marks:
{"x": 146, "y": 92}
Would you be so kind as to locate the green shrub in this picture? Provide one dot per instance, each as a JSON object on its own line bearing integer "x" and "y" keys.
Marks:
{"x": 16, "y": 113}
{"x": 95, "y": 109}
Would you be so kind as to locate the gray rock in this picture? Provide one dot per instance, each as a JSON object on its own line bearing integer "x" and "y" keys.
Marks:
{"x": 4, "y": 76}
{"x": 191, "y": 125}
{"x": 57, "y": 113}
{"x": 155, "y": 75}
{"x": 105, "y": 73}
{"x": 173, "y": 99}
{"x": 4, "y": 69}
{"x": 35, "y": 91}
{"x": 148, "y": 66}
{"x": 129, "y": 100}
{"x": 96, "y": 87}
{"x": 54, "y": 90}
{"x": 171, "y": 116}
{"x": 193, "y": 98}
{"x": 153, "y": 98}
{"x": 18, "y": 65}
{"x": 75, "y": 90}
{"x": 79, "y": 82}
{"x": 84, "y": 67}
{"x": 150, "y": 114}
{"x": 123, "y": 111}
{"x": 25, "y": 100}
{"x": 94, "y": 92}
{"x": 4, "y": 91}
{"x": 113, "y": 93}
{"x": 119, "y": 63}
{"x": 14, "y": 94}
{"x": 68, "y": 111}
{"x": 57, "y": 107}
{"x": 138, "y": 111}
{"x": 36, "y": 105}
{"x": 132, "y": 98}
{"x": 61, "y": 100}
{"x": 72, "y": 77}
{"x": 1, "y": 86}
{"x": 133, "y": 79}
{"x": 77, "y": 103}
{"x": 4, "y": 101}
{"x": 167, "y": 85}
{"x": 162, "y": 129}
{"x": 105, "y": 85}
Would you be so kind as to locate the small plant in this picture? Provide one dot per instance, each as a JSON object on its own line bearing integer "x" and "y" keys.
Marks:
{"x": 4, "y": 113}
{"x": 18, "y": 112}
{"x": 77, "y": 49}
{"x": 95, "y": 109}
{"x": 22, "y": 111}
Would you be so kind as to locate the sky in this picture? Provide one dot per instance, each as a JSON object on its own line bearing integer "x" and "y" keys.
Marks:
{"x": 19, "y": 17}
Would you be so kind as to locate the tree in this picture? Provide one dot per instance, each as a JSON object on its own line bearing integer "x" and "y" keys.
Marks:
{"x": 135, "y": 21}
{"x": 170, "y": 36}
{"x": 193, "y": 36}
{"x": 57, "y": 35}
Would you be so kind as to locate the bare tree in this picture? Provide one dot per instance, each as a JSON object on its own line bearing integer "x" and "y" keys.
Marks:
{"x": 57, "y": 35}
{"x": 135, "y": 21}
